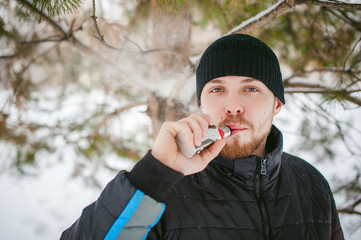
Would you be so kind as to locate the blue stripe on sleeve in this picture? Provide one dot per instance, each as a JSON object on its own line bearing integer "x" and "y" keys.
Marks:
{"x": 125, "y": 215}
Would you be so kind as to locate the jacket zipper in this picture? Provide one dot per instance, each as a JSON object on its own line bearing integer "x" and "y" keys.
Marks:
{"x": 263, "y": 165}
{"x": 261, "y": 203}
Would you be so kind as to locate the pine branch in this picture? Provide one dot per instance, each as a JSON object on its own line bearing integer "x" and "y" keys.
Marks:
{"x": 56, "y": 7}
{"x": 66, "y": 36}
{"x": 42, "y": 15}
{"x": 330, "y": 4}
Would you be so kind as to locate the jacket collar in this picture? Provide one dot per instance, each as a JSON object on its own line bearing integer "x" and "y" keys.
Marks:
{"x": 245, "y": 169}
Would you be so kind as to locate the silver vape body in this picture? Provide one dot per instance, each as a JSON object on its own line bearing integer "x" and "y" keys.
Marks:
{"x": 214, "y": 133}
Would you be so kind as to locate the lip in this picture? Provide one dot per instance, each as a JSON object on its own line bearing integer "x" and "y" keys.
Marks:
{"x": 236, "y": 128}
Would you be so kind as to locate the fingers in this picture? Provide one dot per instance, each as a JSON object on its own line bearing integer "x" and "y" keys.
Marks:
{"x": 194, "y": 128}
{"x": 210, "y": 153}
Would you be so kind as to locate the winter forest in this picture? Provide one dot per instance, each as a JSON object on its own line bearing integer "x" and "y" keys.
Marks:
{"x": 86, "y": 84}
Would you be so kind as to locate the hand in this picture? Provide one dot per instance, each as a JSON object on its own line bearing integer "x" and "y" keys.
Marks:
{"x": 193, "y": 128}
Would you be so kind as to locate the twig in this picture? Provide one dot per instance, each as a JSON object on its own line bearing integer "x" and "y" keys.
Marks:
{"x": 100, "y": 37}
{"x": 67, "y": 36}
{"x": 325, "y": 69}
{"x": 350, "y": 53}
{"x": 113, "y": 114}
{"x": 349, "y": 184}
{"x": 350, "y": 209}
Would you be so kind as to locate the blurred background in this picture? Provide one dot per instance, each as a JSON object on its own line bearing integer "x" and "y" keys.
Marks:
{"x": 85, "y": 86}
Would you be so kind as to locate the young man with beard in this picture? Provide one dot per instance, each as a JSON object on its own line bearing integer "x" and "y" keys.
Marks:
{"x": 242, "y": 187}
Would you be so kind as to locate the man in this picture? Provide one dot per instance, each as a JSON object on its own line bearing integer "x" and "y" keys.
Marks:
{"x": 242, "y": 187}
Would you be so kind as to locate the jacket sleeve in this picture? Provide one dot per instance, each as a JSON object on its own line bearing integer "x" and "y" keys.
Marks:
{"x": 337, "y": 233}
{"x": 124, "y": 210}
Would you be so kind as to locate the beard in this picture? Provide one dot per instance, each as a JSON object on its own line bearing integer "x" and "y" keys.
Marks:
{"x": 239, "y": 148}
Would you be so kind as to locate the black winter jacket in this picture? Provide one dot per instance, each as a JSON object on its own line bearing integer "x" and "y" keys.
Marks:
{"x": 275, "y": 197}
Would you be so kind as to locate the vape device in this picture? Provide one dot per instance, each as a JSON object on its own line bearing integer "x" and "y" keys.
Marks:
{"x": 214, "y": 133}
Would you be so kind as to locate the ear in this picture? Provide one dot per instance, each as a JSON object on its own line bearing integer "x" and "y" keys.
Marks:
{"x": 277, "y": 107}
{"x": 200, "y": 106}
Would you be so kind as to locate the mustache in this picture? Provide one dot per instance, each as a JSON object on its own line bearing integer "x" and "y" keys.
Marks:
{"x": 236, "y": 120}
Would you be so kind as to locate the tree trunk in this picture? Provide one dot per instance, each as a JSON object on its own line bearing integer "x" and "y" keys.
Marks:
{"x": 171, "y": 34}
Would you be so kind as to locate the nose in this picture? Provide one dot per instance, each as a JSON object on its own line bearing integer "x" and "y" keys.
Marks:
{"x": 234, "y": 107}
{"x": 234, "y": 111}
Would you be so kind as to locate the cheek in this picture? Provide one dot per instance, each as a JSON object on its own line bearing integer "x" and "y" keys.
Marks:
{"x": 260, "y": 108}
{"x": 207, "y": 105}
{"x": 214, "y": 111}
{"x": 268, "y": 113}
{"x": 265, "y": 113}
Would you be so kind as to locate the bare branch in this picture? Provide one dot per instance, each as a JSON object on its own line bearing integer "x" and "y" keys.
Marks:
{"x": 49, "y": 39}
{"x": 139, "y": 50}
{"x": 123, "y": 150}
{"x": 350, "y": 53}
{"x": 351, "y": 209}
{"x": 305, "y": 86}
{"x": 348, "y": 184}
{"x": 133, "y": 42}
{"x": 100, "y": 37}
{"x": 113, "y": 114}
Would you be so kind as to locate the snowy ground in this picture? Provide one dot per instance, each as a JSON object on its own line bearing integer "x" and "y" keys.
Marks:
{"x": 42, "y": 207}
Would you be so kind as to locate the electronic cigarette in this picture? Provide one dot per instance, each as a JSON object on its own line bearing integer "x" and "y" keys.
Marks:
{"x": 214, "y": 133}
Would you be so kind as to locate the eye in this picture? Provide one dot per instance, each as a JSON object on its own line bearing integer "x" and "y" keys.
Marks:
{"x": 251, "y": 89}
{"x": 216, "y": 90}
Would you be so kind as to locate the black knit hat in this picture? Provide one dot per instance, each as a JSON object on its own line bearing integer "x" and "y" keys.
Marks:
{"x": 240, "y": 55}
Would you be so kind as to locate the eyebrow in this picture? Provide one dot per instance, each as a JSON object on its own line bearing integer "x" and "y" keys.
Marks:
{"x": 247, "y": 80}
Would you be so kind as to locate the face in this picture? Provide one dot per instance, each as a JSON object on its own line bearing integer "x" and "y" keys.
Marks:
{"x": 247, "y": 106}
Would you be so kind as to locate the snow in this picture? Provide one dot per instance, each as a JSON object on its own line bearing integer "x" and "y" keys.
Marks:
{"x": 38, "y": 207}
{"x": 42, "y": 207}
